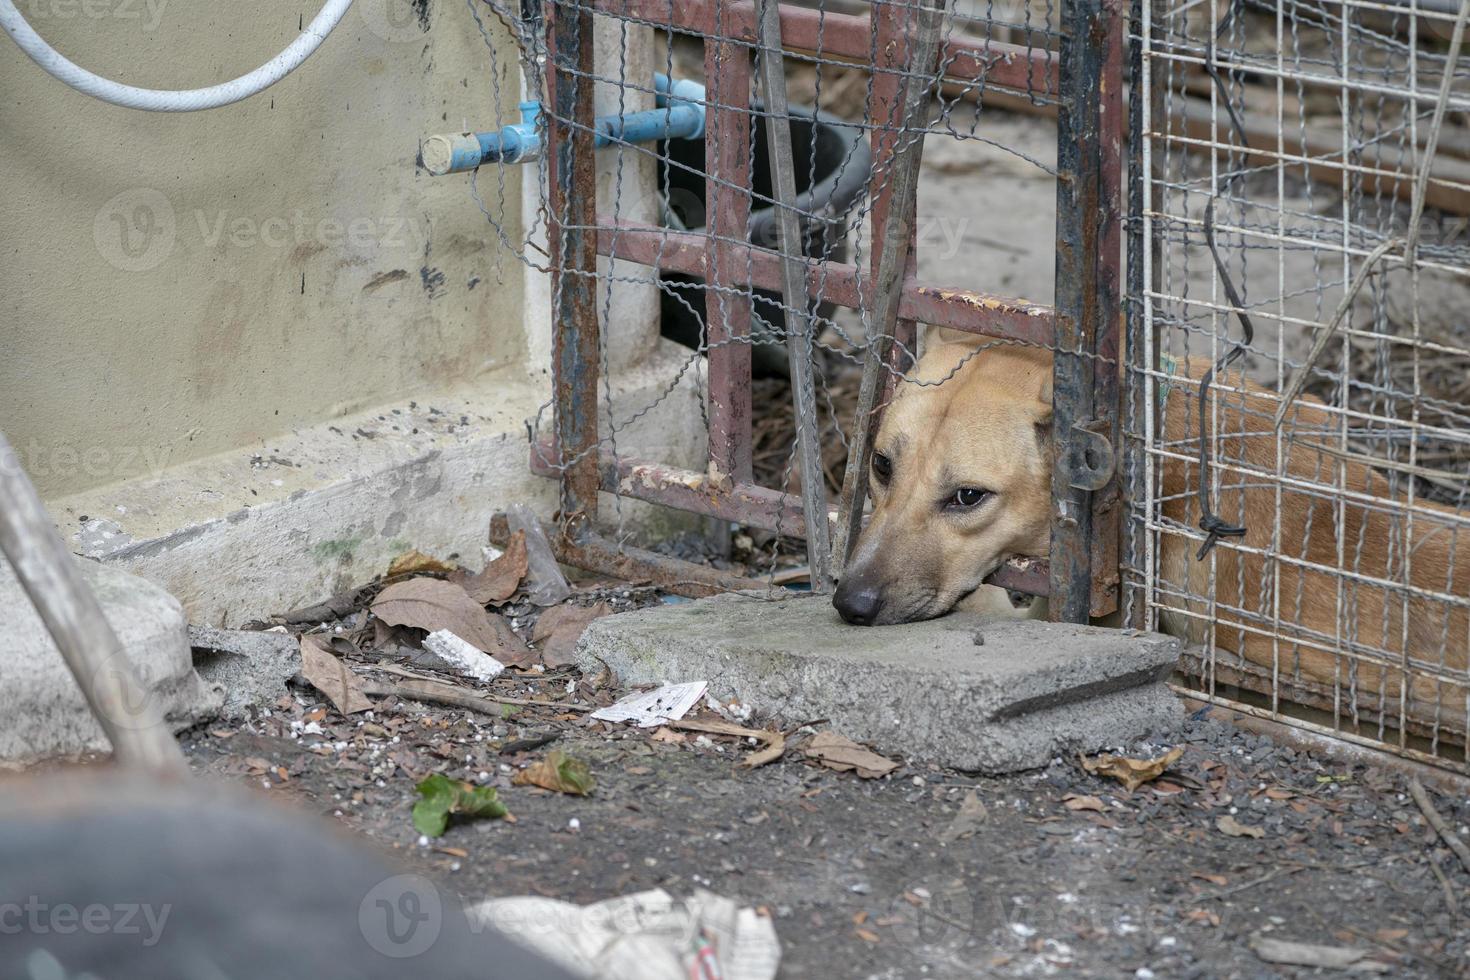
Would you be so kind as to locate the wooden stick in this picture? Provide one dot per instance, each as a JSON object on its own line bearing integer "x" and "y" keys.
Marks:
{"x": 48, "y": 573}
{"x": 1445, "y": 831}
{"x": 447, "y": 694}
{"x": 1450, "y": 901}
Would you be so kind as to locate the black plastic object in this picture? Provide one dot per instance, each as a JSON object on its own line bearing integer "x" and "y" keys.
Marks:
{"x": 843, "y": 163}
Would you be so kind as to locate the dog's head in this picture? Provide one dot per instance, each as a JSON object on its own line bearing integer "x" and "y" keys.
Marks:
{"x": 960, "y": 481}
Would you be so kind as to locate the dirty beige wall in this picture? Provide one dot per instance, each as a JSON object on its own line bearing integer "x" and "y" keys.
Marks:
{"x": 176, "y": 285}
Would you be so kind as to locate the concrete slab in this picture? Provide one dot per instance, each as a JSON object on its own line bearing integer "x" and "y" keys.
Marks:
{"x": 42, "y": 711}
{"x": 249, "y": 668}
{"x": 1014, "y": 698}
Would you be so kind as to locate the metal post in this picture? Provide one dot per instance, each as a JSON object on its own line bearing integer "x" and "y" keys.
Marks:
{"x": 727, "y": 310}
{"x": 799, "y": 326}
{"x": 893, "y": 253}
{"x": 1135, "y": 440}
{"x": 1086, "y": 304}
{"x": 573, "y": 240}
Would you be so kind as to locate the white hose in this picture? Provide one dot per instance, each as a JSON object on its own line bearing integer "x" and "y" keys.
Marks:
{"x": 155, "y": 100}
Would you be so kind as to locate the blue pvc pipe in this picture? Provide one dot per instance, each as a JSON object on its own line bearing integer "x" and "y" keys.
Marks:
{"x": 680, "y": 115}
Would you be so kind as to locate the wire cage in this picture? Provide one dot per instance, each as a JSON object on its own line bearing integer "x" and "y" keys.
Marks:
{"x": 754, "y": 165}
{"x": 1299, "y": 360}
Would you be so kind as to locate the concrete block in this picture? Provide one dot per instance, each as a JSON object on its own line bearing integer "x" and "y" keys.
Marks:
{"x": 1026, "y": 692}
{"x": 248, "y": 668}
{"x": 42, "y": 711}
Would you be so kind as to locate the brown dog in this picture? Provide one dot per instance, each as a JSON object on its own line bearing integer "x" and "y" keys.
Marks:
{"x": 961, "y": 481}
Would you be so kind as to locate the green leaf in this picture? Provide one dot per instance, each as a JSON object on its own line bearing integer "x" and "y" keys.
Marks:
{"x": 444, "y": 798}
{"x": 481, "y": 802}
{"x": 574, "y": 774}
{"x": 438, "y": 788}
{"x": 430, "y": 817}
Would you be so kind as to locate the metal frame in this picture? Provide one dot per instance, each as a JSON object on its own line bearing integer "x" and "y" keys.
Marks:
{"x": 1084, "y": 330}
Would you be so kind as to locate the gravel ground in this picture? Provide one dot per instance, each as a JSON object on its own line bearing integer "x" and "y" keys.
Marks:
{"x": 923, "y": 873}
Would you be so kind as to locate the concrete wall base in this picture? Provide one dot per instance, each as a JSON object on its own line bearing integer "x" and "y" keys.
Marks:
{"x": 241, "y": 535}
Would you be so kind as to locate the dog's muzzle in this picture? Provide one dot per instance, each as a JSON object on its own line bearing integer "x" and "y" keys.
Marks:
{"x": 857, "y": 602}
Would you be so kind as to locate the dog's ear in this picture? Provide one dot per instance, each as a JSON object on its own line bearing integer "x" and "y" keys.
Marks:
{"x": 1041, "y": 413}
{"x": 1042, "y": 408}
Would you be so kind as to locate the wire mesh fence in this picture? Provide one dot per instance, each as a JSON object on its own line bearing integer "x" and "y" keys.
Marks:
{"x": 1299, "y": 360}
{"x": 763, "y": 255}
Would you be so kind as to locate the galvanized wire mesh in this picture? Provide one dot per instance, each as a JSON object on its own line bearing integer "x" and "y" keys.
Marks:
{"x": 1328, "y": 138}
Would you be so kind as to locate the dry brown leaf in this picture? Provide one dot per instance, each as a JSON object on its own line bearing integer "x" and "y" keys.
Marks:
{"x": 331, "y": 676}
{"x": 1231, "y": 827}
{"x": 1132, "y": 773}
{"x": 500, "y": 579}
{"x": 433, "y": 604}
{"x": 558, "y": 772}
{"x": 971, "y": 815}
{"x": 560, "y": 627}
{"x": 1074, "y": 801}
{"x": 843, "y": 754}
{"x": 867, "y": 935}
{"x": 418, "y": 563}
{"x": 1220, "y": 880}
{"x": 667, "y": 735}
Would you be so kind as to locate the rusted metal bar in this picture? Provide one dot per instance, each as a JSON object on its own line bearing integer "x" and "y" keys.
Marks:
{"x": 573, "y": 240}
{"x": 751, "y": 505}
{"x": 727, "y": 310}
{"x": 798, "y": 319}
{"x": 1082, "y": 305}
{"x": 835, "y": 282}
{"x": 698, "y": 493}
{"x": 893, "y": 260}
{"x": 578, "y": 546}
{"x": 965, "y": 59}
{"x": 1107, "y": 500}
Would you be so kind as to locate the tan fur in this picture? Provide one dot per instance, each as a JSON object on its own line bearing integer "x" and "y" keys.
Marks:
{"x": 984, "y": 428}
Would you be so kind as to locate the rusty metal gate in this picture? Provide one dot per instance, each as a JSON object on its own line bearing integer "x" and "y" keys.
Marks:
{"x": 920, "y": 59}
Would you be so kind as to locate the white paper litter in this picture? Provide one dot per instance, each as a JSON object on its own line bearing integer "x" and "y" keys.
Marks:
{"x": 664, "y": 704}
{"x": 463, "y": 654}
{"x": 644, "y": 936}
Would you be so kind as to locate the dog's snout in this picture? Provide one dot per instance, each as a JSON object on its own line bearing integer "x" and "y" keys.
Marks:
{"x": 858, "y": 602}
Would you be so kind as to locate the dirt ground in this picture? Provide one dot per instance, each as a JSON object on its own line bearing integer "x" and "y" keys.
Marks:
{"x": 922, "y": 873}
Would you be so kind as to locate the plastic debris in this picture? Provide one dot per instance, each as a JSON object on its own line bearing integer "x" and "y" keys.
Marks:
{"x": 544, "y": 583}
{"x": 463, "y": 655}
{"x": 645, "y": 936}
{"x": 649, "y": 708}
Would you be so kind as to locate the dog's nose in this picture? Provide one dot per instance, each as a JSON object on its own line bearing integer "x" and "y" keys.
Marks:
{"x": 857, "y": 603}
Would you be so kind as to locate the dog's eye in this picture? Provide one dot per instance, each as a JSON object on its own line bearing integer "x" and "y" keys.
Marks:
{"x": 882, "y": 467}
{"x": 966, "y": 498}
